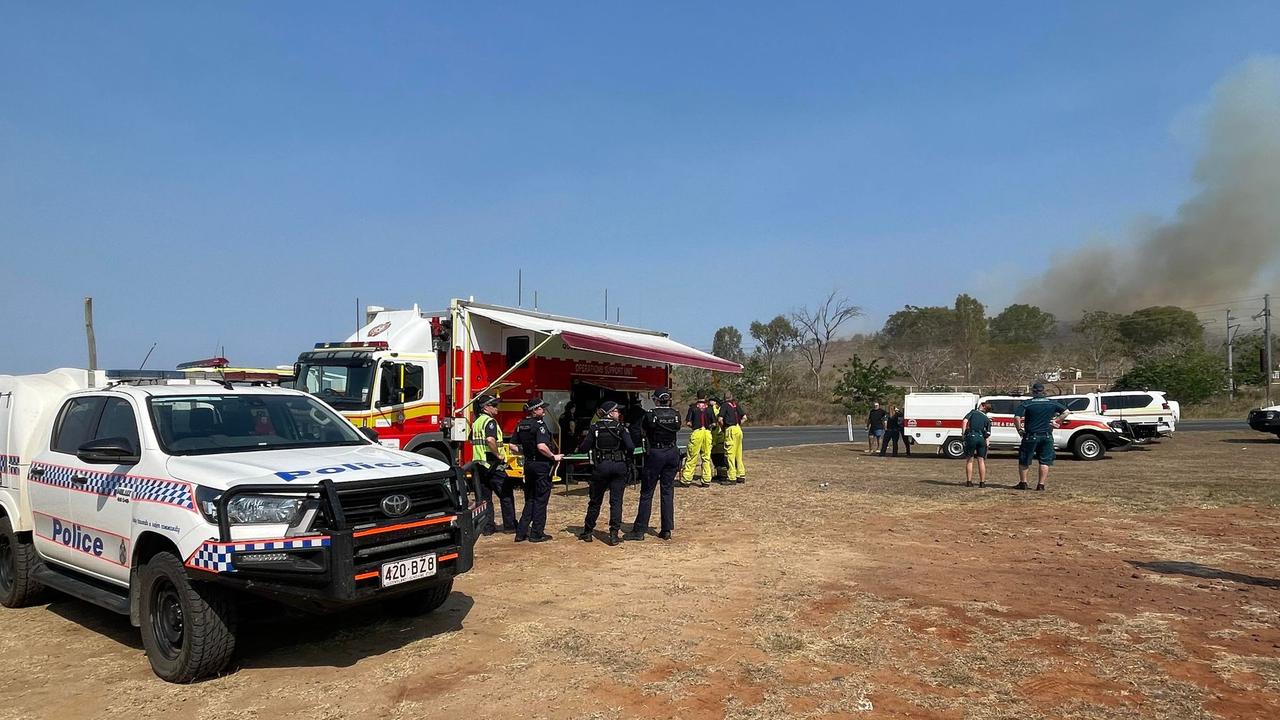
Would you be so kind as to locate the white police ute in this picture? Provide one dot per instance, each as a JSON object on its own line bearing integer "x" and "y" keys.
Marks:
{"x": 169, "y": 500}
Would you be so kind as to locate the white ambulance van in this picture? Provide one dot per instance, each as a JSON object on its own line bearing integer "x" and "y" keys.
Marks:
{"x": 168, "y": 500}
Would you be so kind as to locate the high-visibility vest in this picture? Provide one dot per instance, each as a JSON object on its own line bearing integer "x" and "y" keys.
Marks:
{"x": 479, "y": 447}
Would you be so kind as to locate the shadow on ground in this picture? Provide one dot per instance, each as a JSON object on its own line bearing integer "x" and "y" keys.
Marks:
{"x": 1203, "y": 571}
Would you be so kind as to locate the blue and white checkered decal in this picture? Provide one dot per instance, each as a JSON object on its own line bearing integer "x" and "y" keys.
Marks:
{"x": 216, "y": 557}
{"x": 8, "y": 464}
{"x": 165, "y": 492}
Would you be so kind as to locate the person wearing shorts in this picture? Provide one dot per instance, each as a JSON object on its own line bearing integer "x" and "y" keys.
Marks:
{"x": 876, "y": 420}
{"x": 975, "y": 429}
{"x": 1035, "y": 420}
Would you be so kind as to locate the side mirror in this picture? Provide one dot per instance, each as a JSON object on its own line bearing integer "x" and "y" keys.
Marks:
{"x": 370, "y": 433}
{"x": 108, "y": 451}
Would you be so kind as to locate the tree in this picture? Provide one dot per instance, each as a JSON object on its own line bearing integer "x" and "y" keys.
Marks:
{"x": 752, "y": 383}
{"x": 919, "y": 327}
{"x": 727, "y": 344}
{"x": 1013, "y": 367}
{"x": 773, "y": 338}
{"x": 1021, "y": 324}
{"x": 1247, "y": 363}
{"x": 919, "y": 341}
{"x": 861, "y": 384}
{"x": 1100, "y": 337}
{"x": 1152, "y": 326}
{"x": 970, "y": 334}
{"x": 1188, "y": 377}
{"x": 818, "y": 327}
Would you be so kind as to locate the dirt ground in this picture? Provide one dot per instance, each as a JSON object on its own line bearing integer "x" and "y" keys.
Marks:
{"x": 833, "y": 584}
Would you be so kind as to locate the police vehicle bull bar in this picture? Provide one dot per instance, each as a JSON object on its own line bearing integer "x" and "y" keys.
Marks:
{"x": 337, "y": 559}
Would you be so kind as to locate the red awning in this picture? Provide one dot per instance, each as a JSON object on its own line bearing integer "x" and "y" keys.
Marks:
{"x": 612, "y": 346}
{"x": 620, "y": 384}
{"x": 635, "y": 343}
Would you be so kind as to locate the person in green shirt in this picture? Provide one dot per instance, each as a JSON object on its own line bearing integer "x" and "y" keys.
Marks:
{"x": 1036, "y": 418}
{"x": 975, "y": 429}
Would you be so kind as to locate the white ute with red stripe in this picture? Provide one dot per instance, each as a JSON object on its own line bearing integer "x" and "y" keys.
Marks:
{"x": 934, "y": 419}
{"x": 169, "y": 499}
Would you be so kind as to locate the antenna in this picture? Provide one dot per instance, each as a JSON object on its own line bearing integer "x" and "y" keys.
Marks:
{"x": 147, "y": 356}
{"x": 519, "y": 288}
{"x": 535, "y": 299}
{"x": 357, "y": 319}
{"x": 606, "y": 304}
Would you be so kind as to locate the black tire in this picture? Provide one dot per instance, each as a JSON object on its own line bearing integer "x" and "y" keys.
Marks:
{"x": 188, "y": 630}
{"x": 953, "y": 448}
{"x": 421, "y": 602}
{"x": 17, "y": 558}
{"x": 433, "y": 453}
{"x": 1088, "y": 446}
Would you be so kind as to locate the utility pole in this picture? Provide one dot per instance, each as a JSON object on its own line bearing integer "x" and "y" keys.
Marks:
{"x": 1266, "y": 345}
{"x": 1231, "y": 376}
{"x": 93, "y": 344}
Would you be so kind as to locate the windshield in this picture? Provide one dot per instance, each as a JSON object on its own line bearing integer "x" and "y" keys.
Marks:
{"x": 206, "y": 424}
{"x": 345, "y": 387}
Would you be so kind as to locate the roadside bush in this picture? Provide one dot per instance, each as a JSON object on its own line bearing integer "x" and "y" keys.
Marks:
{"x": 1190, "y": 377}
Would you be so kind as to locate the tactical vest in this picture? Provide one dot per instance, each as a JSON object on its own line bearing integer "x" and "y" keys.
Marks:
{"x": 480, "y": 448}
{"x": 664, "y": 424}
{"x": 607, "y": 442}
{"x": 526, "y": 437}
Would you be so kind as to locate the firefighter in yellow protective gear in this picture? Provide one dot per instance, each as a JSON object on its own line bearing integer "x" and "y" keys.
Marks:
{"x": 719, "y": 466}
{"x": 732, "y": 416}
{"x": 700, "y": 420}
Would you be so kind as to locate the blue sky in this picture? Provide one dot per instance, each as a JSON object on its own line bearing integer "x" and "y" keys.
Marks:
{"x": 237, "y": 174}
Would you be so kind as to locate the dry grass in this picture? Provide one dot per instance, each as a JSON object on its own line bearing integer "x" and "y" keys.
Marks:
{"x": 890, "y": 592}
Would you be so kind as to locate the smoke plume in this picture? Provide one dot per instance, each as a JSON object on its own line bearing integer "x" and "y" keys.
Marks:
{"x": 1225, "y": 239}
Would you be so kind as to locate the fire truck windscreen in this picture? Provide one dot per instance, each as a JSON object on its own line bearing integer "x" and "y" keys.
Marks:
{"x": 344, "y": 385}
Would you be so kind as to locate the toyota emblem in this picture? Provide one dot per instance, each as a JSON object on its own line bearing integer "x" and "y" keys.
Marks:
{"x": 396, "y": 505}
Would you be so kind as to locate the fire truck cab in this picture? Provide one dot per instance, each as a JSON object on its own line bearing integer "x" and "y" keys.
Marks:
{"x": 412, "y": 375}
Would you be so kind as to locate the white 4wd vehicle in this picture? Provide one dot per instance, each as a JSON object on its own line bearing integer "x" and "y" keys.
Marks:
{"x": 1266, "y": 420}
{"x": 1149, "y": 414}
{"x": 935, "y": 419}
{"x": 166, "y": 502}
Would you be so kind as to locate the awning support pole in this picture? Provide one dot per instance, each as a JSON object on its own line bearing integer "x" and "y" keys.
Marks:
{"x": 514, "y": 367}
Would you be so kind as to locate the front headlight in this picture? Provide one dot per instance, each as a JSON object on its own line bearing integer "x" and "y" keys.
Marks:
{"x": 251, "y": 509}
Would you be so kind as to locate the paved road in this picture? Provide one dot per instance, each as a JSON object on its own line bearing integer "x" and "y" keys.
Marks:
{"x": 757, "y": 438}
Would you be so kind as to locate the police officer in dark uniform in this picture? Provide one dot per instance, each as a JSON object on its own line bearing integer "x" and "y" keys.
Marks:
{"x": 611, "y": 446}
{"x": 489, "y": 454}
{"x": 662, "y": 461}
{"x": 534, "y": 439}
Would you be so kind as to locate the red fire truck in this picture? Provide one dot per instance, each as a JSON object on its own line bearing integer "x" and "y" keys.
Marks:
{"x": 412, "y": 375}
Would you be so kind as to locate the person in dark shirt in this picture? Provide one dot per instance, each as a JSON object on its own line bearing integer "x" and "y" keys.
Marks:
{"x": 975, "y": 429}
{"x": 534, "y": 439}
{"x": 732, "y": 416}
{"x": 609, "y": 442}
{"x": 1036, "y": 419}
{"x": 875, "y": 427}
{"x": 893, "y": 431}
{"x": 700, "y": 419}
{"x": 661, "y": 463}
